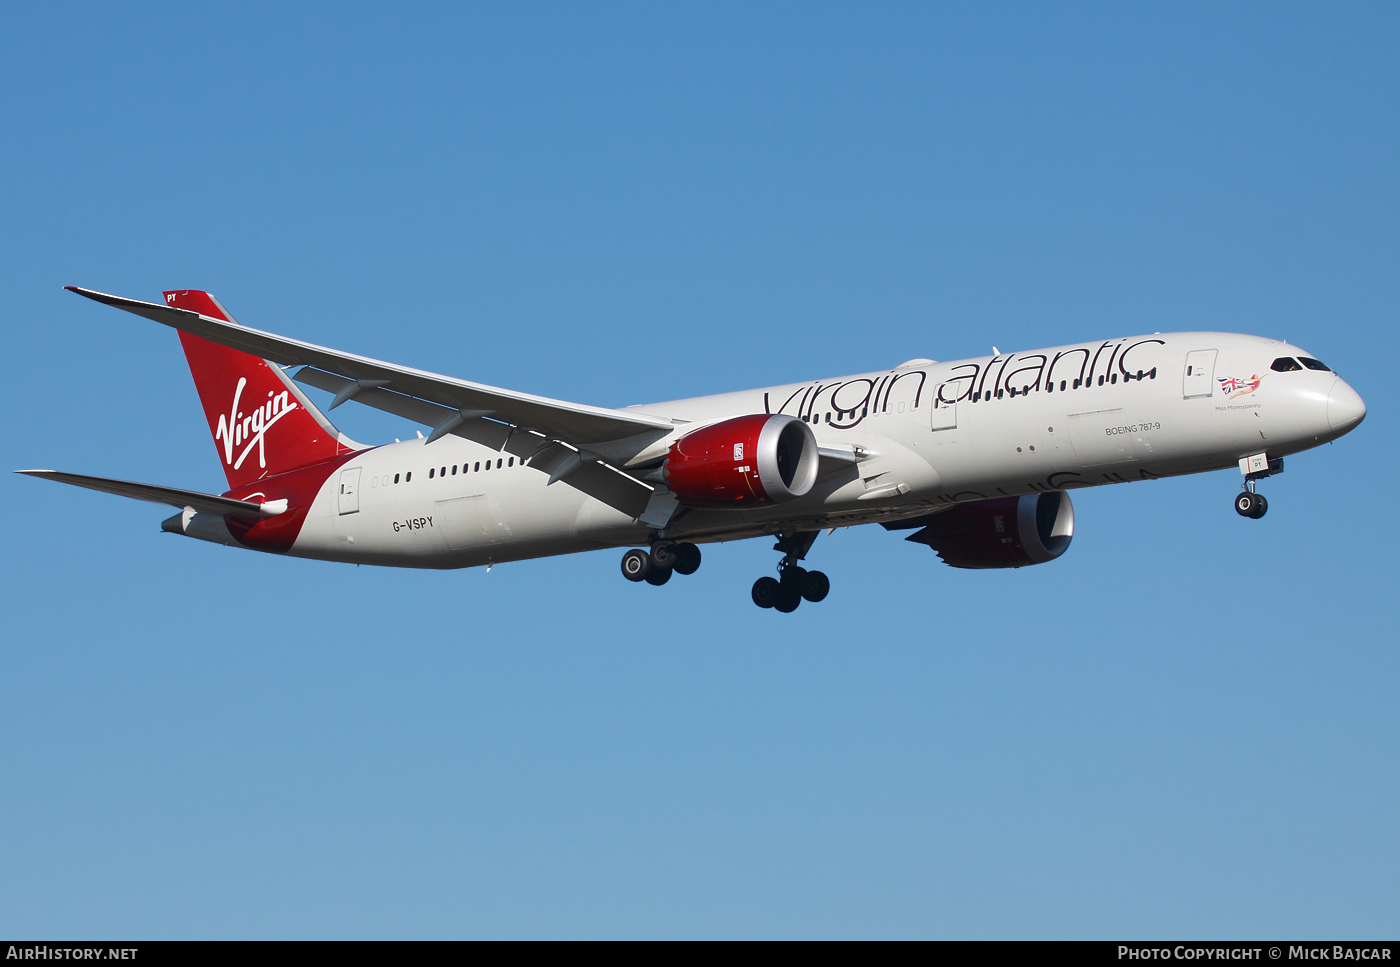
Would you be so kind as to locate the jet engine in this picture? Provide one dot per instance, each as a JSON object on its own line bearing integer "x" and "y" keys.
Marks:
{"x": 1003, "y": 532}
{"x": 743, "y": 462}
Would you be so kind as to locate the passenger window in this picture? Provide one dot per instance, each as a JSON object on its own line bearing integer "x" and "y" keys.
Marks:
{"x": 396, "y": 478}
{"x": 498, "y": 464}
{"x": 510, "y": 462}
{"x": 1316, "y": 364}
{"x": 1114, "y": 379}
{"x": 1285, "y": 365}
{"x": 1062, "y": 386}
{"x": 430, "y": 473}
{"x": 454, "y": 470}
{"x": 477, "y": 468}
{"x": 408, "y": 477}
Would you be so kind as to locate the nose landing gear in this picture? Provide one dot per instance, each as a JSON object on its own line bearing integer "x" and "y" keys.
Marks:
{"x": 664, "y": 558}
{"x": 1248, "y": 503}
{"x": 794, "y": 582}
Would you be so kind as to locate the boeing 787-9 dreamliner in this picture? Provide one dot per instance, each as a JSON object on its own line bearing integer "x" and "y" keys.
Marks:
{"x": 976, "y": 456}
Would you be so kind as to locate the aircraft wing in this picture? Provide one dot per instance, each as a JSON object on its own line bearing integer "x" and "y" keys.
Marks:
{"x": 413, "y": 393}
{"x": 208, "y": 503}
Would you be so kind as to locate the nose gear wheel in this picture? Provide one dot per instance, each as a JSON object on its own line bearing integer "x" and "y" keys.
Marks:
{"x": 1251, "y": 505}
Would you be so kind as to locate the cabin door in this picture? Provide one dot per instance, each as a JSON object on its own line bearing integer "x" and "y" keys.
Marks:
{"x": 944, "y": 412}
{"x": 1199, "y": 378}
{"x": 350, "y": 491}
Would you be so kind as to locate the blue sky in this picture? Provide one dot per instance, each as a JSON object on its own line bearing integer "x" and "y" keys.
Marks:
{"x": 1186, "y": 726}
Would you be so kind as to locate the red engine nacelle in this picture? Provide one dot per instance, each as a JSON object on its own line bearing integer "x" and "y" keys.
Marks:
{"x": 749, "y": 460}
{"x": 1004, "y": 532}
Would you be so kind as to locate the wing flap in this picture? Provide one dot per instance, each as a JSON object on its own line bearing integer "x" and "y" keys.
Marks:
{"x": 207, "y": 503}
{"x": 489, "y": 433}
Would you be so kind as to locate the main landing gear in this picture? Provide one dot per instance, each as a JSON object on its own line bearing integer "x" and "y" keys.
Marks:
{"x": 794, "y": 582}
{"x": 655, "y": 567}
{"x": 1248, "y": 503}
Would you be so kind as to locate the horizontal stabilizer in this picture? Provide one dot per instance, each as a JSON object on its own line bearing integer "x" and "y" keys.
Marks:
{"x": 207, "y": 503}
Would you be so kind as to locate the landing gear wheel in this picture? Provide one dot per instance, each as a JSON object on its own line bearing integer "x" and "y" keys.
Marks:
{"x": 793, "y": 577}
{"x": 663, "y": 554}
{"x": 788, "y": 601}
{"x": 1261, "y": 507}
{"x": 767, "y": 592}
{"x": 1246, "y": 502}
{"x": 687, "y": 558}
{"x": 658, "y": 575}
{"x": 794, "y": 581}
{"x": 636, "y": 564}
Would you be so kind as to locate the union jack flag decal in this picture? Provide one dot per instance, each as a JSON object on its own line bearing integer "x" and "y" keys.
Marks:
{"x": 1234, "y": 386}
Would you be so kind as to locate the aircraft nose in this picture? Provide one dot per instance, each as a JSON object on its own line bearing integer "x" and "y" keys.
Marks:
{"x": 1345, "y": 408}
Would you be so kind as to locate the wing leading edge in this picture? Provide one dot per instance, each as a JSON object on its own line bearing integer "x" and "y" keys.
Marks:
{"x": 578, "y": 423}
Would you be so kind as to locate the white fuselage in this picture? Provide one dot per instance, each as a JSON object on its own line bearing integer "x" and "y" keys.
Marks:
{"x": 929, "y": 435}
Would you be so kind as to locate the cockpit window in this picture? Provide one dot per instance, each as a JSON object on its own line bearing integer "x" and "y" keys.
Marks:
{"x": 1285, "y": 365}
{"x": 1316, "y": 364}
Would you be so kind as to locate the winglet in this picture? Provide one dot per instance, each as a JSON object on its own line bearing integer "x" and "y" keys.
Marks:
{"x": 191, "y": 300}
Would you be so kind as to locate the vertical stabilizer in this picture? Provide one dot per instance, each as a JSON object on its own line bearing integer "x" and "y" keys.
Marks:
{"x": 261, "y": 421}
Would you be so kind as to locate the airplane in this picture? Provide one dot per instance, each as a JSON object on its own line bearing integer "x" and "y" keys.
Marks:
{"x": 977, "y": 457}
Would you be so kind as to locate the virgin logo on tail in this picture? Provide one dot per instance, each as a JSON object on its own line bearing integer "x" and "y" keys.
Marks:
{"x": 238, "y": 428}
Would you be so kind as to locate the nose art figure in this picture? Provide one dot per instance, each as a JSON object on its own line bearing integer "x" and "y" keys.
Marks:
{"x": 1345, "y": 409}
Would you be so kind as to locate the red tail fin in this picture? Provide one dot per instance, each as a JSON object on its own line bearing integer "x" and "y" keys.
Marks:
{"x": 261, "y": 421}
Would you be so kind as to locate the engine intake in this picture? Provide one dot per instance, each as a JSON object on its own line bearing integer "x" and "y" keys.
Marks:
{"x": 1004, "y": 532}
{"x": 747, "y": 461}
